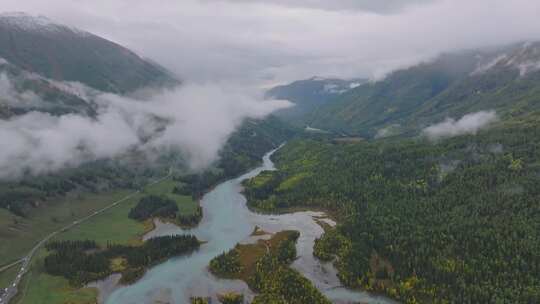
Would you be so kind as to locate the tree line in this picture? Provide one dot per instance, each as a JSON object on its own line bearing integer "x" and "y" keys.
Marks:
{"x": 82, "y": 262}
{"x": 153, "y": 206}
{"x": 448, "y": 222}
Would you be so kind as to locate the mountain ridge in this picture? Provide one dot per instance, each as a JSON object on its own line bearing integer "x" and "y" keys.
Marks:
{"x": 63, "y": 53}
{"x": 310, "y": 94}
{"x": 450, "y": 86}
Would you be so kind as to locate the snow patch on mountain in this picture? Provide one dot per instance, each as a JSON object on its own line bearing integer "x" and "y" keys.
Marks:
{"x": 354, "y": 85}
{"x": 484, "y": 67}
{"x": 524, "y": 58}
{"x": 528, "y": 67}
{"x": 26, "y": 22}
{"x": 333, "y": 88}
{"x": 527, "y": 59}
{"x": 318, "y": 78}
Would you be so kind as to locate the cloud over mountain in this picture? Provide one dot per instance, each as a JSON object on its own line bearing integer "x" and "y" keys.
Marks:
{"x": 274, "y": 41}
{"x": 194, "y": 119}
{"x": 468, "y": 124}
{"x": 383, "y": 7}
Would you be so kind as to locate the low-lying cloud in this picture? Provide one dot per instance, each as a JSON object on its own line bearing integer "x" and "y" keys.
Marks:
{"x": 468, "y": 124}
{"x": 10, "y": 96}
{"x": 388, "y": 131}
{"x": 194, "y": 119}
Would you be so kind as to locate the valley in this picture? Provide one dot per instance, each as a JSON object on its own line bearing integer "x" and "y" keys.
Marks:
{"x": 407, "y": 172}
{"x": 226, "y": 222}
{"x": 110, "y": 224}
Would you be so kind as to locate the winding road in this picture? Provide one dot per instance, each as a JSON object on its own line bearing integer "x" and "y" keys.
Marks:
{"x": 8, "y": 293}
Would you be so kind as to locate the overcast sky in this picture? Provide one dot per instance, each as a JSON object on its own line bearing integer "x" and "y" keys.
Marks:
{"x": 272, "y": 41}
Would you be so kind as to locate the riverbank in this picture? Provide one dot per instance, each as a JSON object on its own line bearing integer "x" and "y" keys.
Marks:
{"x": 223, "y": 226}
{"x": 126, "y": 232}
{"x": 240, "y": 262}
{"x": 226, "y": 222}
{"x": 265, "y": 267}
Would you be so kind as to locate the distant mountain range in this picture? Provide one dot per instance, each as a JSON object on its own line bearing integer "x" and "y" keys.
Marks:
{"x": 309, "y": 94}
{"x": 36, "y": 54}
{"x": 505, "y": 79}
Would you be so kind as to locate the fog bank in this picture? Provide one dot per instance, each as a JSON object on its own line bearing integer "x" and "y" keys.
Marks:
{"x": 195, "y": 119}
{"x": 468, "y": 124}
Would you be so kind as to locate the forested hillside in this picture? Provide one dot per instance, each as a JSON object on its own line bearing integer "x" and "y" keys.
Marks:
{"x": 20, "y": 196}
{"x": 59, "y": 52}
{"x": 242, "y": 151}
{"x": 310, "y": 94}
{"x": 23, "y": 92}
{"x": 505, "y": 80}
{"x": 452, "y": 221}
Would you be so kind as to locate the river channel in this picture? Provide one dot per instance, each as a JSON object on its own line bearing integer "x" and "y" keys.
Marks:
{"x": 226, "y": 222}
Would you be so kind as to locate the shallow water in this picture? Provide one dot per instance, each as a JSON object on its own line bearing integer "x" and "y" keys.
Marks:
{"x": 106, "y": 286}
{"x": 226, "y": 222}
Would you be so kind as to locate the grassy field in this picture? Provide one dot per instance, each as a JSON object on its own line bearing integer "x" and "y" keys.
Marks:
{"x": 37, "y": 287}
{"x": 23, "y": 233}
{"x": 186, "y": 205}
{"x": 8, "y": 276}
{"x": 110, "y": 226}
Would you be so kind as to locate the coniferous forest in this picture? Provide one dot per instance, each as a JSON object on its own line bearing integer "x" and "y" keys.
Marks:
{"x": 153, "y": 206}
{"x": 82, "y": 262}
{"x": 270, "y": 274}
{"x": 450, "y": 221}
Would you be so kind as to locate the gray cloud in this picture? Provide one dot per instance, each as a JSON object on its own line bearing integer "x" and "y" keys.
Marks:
{"x": 468, "y": 124}
{"x": 11, "y": 97}
{"x": 447, "y": 167}
{"x": 42, "y": 143}
{"x": 264, "y": 43}
{"x": 195, "y": 119}
{"x": 388, "y": 131}
{"x": 386, "y": 6}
